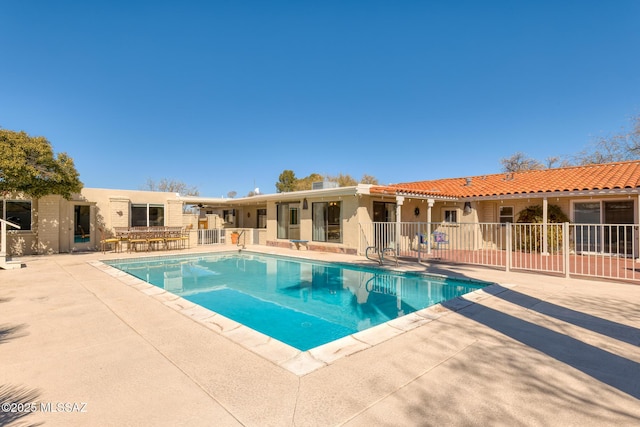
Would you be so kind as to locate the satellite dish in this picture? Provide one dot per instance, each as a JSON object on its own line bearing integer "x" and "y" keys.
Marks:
{"x": 256, "y": 191}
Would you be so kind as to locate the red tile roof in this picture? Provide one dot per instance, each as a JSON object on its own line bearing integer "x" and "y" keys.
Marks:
{"x": 618, "y": 175}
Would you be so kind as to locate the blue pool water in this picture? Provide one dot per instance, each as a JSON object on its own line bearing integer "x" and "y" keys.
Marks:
{"x": 299, "y": 302}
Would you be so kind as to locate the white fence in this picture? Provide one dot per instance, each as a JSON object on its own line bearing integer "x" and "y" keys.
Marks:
{"x": 211, "y": 237}
{"x": 598, "y": 250}
{"x": 220, "y": 236}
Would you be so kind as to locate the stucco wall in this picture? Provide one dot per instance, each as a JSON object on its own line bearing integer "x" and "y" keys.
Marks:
{"x": 48, "y": 225}
{"x": 113, "y": 207}
{"x": 349, "y": 212}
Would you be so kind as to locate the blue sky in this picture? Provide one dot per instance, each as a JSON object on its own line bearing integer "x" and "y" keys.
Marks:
{"x": 225, "y": 95}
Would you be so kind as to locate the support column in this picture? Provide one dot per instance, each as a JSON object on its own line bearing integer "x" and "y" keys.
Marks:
{"x": 636, "y": 238}
{"x": 3, "y": 230}
{"x": 399, "y": 203}
{"x": 545, "y": 220}
{"x": 430, "y": 203}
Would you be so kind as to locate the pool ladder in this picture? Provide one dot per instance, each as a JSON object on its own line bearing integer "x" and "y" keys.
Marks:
{"x": 238, "y": 244}
{"x": 380, "y": 252}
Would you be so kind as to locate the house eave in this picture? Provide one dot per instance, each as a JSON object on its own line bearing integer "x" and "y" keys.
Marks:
{"x": 567, "y": 193}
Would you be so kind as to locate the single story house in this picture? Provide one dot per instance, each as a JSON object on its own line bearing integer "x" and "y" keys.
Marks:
{"x": 330, "y": 218}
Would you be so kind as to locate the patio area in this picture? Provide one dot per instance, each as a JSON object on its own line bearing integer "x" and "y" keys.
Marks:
{"x": 540, "y": 350}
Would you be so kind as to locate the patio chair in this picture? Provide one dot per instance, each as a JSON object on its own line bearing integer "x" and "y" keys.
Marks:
{"x": 440, "y": 238}
{"x": 156, "y": 237}
{"x": 173, "y": 237}
{"x": 137, "y": 238}
{"x": 420, "y": 242}
{"x": 114, "y": 242}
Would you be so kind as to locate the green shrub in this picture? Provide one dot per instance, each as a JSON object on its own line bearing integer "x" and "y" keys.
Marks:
{"x": 529, "y": 239}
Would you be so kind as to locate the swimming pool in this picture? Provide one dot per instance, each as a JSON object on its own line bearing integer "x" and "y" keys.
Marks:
{"x": 302, "y": 303}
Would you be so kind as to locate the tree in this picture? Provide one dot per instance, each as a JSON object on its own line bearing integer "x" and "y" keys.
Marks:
{"x": 171, "y": 186}
{"x": 618, "y": 147}
{"x": 343, "y": 180}
{"x": 306, "y": 183}
{"x": 369, "y": 179}
{"x": 289, "y": 182}
{"x": 28, "y": 165}
{"x": 614, "y": 148}
{"x": 286, "y": 181}
{"x": 633, "y": 138}
{"x": 520, "y": 162}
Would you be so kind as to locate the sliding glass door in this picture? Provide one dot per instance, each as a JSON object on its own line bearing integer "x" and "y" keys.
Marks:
{"x": 606, "y": 226}
{"x": 327, "y": 225}
{"x": 618, "y": 238}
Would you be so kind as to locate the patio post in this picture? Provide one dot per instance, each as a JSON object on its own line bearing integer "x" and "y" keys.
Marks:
{"x": 399, "y": 202}
{"x": 565, "y": 249}
{"x": 3, "y": 228}
{"x": 429, "y": 206}
{"x": 508, "y": 242}
{"x": 545, "y": 219}
{"x": 636, "y": 243}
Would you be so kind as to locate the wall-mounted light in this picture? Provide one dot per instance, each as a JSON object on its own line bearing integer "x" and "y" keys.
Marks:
{"x": 305, "y": 205}
{"x": 416, "y": 211}
{"x": 467, "y": 207}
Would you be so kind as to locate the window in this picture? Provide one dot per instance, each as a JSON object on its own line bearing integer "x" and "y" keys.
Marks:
{"x": 229, "y": 215}
{"x": 506, "y": 214}
{"x": 384, "y": 212}
{"x": 451, "y": 215}
{"x": 17, "y": 212}
{"x": 294, "y": 216}
{"x": 327, "y": 226}
{"x": 288, "y": 221}
{"x": 262, "y": 218}
{"x": 147, "y": 215}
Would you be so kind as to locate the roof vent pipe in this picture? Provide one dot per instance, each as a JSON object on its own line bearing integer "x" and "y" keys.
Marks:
{"x": 468, "y": 181}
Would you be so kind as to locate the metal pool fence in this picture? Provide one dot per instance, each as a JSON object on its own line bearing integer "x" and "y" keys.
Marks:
{"x": 607, "y": 251}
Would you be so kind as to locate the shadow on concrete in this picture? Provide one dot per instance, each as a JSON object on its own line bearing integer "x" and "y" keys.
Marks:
{"x": 602, "y": 326}
{"x": 11, "y": 332}
{"x": 609, "y": 368}
{"x": 18, "y": 399}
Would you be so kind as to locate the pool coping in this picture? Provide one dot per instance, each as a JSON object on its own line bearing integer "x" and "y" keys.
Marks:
{"x": 297, "y": 361}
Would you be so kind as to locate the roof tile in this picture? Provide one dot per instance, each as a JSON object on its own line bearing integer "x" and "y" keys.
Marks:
{"x": 577, "y": 178}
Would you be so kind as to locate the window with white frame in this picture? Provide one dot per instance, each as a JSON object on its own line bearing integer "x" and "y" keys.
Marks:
{"x": 451, "y": 215}
{"x": 506, "y": 214}
{"x": 17, "y": 212}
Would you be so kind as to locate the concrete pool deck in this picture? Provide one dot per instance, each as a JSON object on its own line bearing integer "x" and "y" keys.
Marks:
{"x": 536, "y": 350}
